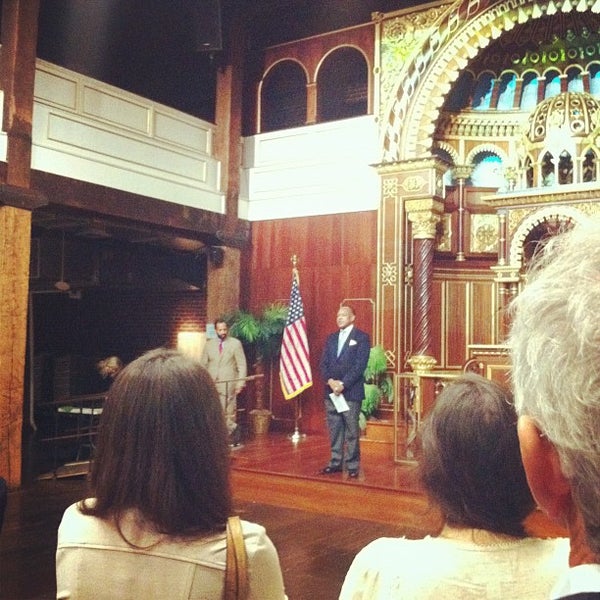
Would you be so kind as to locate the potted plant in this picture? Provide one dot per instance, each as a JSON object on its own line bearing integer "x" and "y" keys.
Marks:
{"x": 261, "y": 335}
{"x": 378, "y": 384}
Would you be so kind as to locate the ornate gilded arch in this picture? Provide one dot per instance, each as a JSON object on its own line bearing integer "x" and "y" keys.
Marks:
{"x": 486, "y": 147}
{"x": 555, "y": 213}
{"x": 463, "y": 29}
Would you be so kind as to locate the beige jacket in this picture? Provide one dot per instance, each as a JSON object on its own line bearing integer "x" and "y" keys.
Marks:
{"x": 93, "y": 562}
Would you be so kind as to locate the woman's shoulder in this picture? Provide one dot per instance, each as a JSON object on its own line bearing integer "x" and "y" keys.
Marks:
{"x": 73, "y": 512}
{"x": 394, "y": 547}
{"x": 255, "y": 537}
{"x": 76, "y": 525}
{"x": 550, "y": 547}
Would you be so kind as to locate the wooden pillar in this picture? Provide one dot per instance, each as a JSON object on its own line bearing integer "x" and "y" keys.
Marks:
{"x": 17, "y": 72}
{"x": 411, "y": 200}
{"x": 228, "y": 117}
{"x": 311, "y": 103}
{"x": 424, "y": 216}
{"x": 223, "y": 284}
{"x": 518, "y": 93}
{"x": 223, "y": 290}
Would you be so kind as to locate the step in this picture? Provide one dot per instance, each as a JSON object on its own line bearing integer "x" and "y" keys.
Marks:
{"x": 379, "y": 430}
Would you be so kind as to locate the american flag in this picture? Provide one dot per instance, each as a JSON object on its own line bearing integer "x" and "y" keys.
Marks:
{"x": 294, "y": 364}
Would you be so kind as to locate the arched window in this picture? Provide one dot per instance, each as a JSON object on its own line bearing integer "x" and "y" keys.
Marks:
{"x": 548, "y": 175}
{"x": 342, "y": 86}
{"x": 565, "y": 168}
{"x": 529, "y": 91}
{"x": 551, "y": 84}
{"x": 594, "y": 71}
{"x": 283, "y": 97}
{"x": 589, "y": 166}
{"x": 574, "y": 80}
{"x": 528, "y": 172}
{"x": 487, "y": 171}
{"x": 539, "y": 234}
{"x": 506, "y": 97}
{"x": 483, "y": 91}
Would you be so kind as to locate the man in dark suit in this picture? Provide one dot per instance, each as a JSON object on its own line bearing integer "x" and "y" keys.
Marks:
{"x": 555, "y": 357}
{"x": 342, "y": 365}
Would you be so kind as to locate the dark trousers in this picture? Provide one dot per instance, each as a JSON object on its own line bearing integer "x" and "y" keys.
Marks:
{"x": 343, "y": 428}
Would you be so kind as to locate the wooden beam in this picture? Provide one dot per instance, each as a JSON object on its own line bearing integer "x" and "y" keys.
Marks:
{"x": 97, "y": 200}
{"x": 17, "y": 72}
{"x": 12, "y": 195}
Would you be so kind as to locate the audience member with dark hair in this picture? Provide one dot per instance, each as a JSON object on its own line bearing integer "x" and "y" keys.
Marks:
{"x": 471, "y": 469}
{"x": 555, "y": 347}
{"x": 3, "y": 499}
{"x": 155, "y": 527}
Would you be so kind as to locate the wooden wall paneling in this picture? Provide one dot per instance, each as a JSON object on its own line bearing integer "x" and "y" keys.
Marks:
{"x": 456, "y": 322}
{"x": 437, "y": 324}
{"x": 391, "y": 322}
{"x": 483, "y": 311}
{"x": 337, "y": 260}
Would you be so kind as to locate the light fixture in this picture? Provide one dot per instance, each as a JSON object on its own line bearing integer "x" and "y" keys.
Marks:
{"x": 61, "y": 284}
{"x": 191, "y": 343}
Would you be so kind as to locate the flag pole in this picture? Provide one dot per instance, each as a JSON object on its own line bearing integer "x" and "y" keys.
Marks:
{"x": 294, "y": 364}
{"x": 297, "y": 435}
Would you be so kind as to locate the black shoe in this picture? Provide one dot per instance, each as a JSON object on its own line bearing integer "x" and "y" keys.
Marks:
{"x": 353, "y": 473}
{"x": 329, "y": 470}
{"x": 235, "y": 438}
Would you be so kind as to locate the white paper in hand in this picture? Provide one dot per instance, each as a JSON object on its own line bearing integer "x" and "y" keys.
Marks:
{"x": 339, "y": 402}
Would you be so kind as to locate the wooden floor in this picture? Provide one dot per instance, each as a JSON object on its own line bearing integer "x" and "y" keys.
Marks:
{"x": 317, "y": 522}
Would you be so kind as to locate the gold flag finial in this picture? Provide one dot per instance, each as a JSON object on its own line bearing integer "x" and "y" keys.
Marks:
{"x": 294, "y": 260}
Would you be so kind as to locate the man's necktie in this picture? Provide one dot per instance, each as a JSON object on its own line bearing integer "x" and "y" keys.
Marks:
{"x": 220, "y": 346}
{"x": 341, "y": 340}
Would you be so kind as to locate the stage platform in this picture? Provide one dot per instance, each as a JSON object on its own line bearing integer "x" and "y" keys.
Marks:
{"x": 274, "y": 469}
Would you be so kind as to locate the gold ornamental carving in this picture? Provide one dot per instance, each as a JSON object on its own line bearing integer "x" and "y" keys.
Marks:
{"x": 424, "y": 214}
{"x": 389, "y": 274}
{"x": 485, "y": 233}
{"x": 424, "y": 225}
{"x": 414, "y": 183}
{"x": 421, "y": 363}
{"x": 389, "y": 188}
{"x": 401, "y": 38}
{"x": 462, "y": 171}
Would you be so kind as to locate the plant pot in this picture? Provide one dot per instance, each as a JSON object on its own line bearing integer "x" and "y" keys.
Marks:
{"x": 261, "y": 419}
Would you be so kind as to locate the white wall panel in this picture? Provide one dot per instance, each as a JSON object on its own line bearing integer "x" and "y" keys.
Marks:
{"x": 314, "y": 170}
{"x": 114, "y": 110}
{"x": 87, "y": 130}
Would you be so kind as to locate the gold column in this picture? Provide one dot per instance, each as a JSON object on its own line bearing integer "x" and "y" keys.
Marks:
{"x": 311, "y": 103}
{"x": 507, "y": 277}
{"x": 461, "y": 174}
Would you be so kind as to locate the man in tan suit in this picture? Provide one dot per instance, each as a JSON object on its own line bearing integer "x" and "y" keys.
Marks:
{"x": 223, "y": 357}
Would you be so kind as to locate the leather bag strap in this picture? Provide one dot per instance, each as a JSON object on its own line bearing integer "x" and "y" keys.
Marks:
{"x": 236, "y": 571}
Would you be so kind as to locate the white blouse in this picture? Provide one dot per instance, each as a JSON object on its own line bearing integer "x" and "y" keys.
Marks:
{"x": 434, "y": 568}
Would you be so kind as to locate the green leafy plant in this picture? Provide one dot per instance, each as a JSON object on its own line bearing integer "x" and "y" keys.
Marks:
{"x": 261, "y": 336}
{"x": 378, "y": 384}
